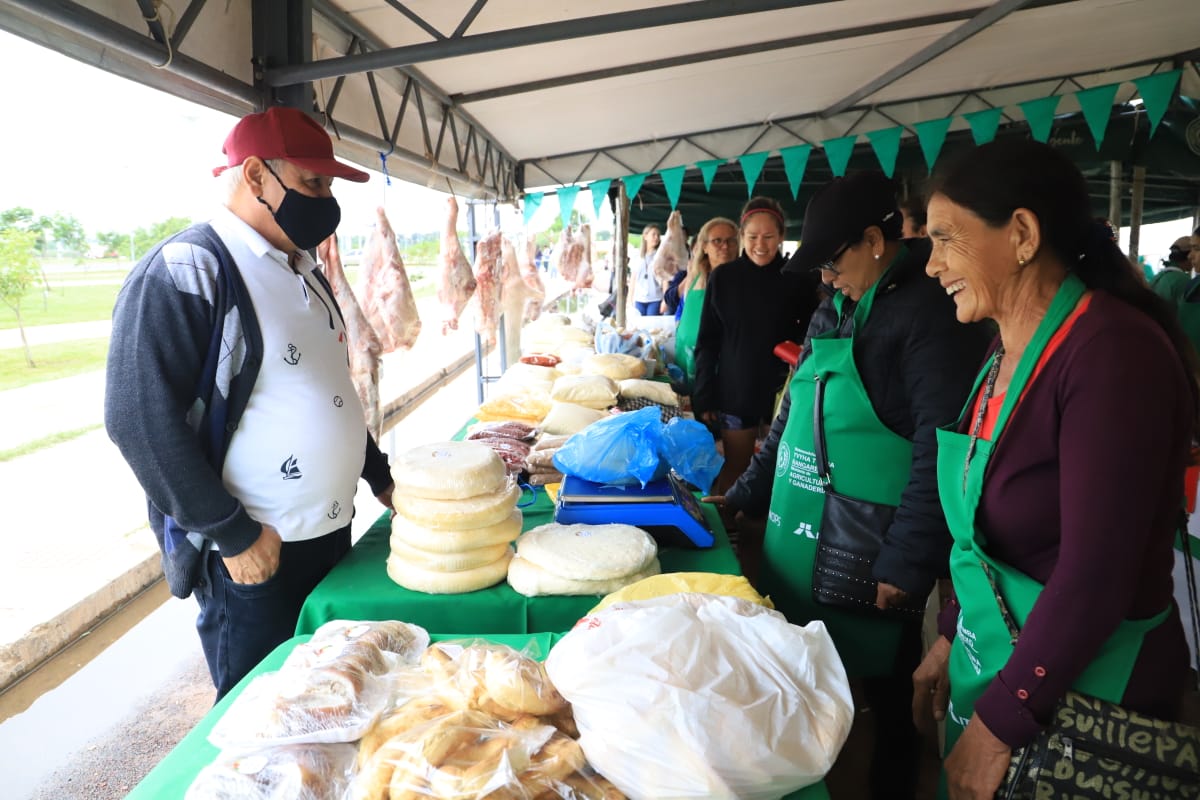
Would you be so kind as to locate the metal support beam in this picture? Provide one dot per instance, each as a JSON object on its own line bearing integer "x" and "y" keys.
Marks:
{"x": 468, "y": 19}
{"x": 675, "y": 14}
{"x": 418, "y": 19}
{"x": 1114, "y": 194}
{"x": 993, "y": 14}
{"x": 1136, "y": 205}
{"x": 153, "y": 20}
{"x": 80, "y": 20}
{"x": 281, "y": 34}
{"x": 186, "y": 20}
{"x": 620, "y": 261}
{"x": 714, "y": 55}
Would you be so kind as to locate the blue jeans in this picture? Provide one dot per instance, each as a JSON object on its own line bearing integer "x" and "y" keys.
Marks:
{"x": 240, "y": 624}
{"x": 649, "y": 309}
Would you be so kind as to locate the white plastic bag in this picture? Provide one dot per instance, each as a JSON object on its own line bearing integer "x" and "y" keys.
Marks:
{"x": 703, "y": 696}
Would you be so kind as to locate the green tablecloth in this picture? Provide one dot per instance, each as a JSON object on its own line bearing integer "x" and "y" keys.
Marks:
{"x": 359, "y": 588}
{"x": 174, "y": 774}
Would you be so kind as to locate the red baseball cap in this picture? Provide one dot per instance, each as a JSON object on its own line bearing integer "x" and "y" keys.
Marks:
{"x": 290, "y": 134}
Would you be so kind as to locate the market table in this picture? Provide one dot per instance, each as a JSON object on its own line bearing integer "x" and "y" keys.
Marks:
{"x": 359, "y": 587}
{"x": 174, "y": 774}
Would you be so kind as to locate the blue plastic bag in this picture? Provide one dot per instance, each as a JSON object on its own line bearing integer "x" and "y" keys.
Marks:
{"x": 622, "y": 449}
{"x": 689, "y": 448}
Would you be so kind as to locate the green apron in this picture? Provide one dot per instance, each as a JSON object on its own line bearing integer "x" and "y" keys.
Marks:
{"x": 688, "y": 330}
{"x": 983, "y": 644}
{"x": 867, "y": 461}
{"x": 1188, "y": 309}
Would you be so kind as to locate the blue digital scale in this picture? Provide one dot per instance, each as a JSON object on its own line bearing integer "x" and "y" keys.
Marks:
{"x": 664, "y": 508}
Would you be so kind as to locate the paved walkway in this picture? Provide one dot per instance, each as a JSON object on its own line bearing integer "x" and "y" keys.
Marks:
{"x": 75, "y": 533}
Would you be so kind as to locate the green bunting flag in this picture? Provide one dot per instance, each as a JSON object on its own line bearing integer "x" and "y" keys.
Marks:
{"x": 566, "y": 203}
{"x": 673, "y": 182}
{"x": 931, "y": 135}
{"x": 708, "y": 169}
{"x": 599, "y": 190}
{"x": 1040, "y": 115}
{"x": 1156, "y": 92}
{"x": 886, "y": 144}
{"x": 530, "y": 206}
{"x": 633, "y": 184}
{"x": 838, "y": 151}
{"x": 1096, "y": 104}
{"x": 984, "y": 124}
{"x": 795, "y": 162}
{"x": 752, "y": 164}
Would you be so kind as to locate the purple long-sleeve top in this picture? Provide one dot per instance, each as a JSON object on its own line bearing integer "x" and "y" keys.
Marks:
{"x": 1083, "y": 493}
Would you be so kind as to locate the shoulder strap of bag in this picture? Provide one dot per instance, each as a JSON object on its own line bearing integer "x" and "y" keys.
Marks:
{"x": 819, "y": 434}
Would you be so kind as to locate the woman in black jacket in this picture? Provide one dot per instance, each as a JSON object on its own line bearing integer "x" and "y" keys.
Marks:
{"x": 750, "y": 306}
{"x": 892, "y": 364}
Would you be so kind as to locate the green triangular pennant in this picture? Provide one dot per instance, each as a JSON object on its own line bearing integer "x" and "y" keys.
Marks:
{"x": 530, "y": 206}
{"x": 673, "y": 182}
{"x": 1040, "y": 115}
{"x": 1156, "y": 92}
{"x": 599, "y": 190}
{"x": 838, "y": 151}
{"x": 1096, "y": 104}
{"x": 795, "y": 162}
{"x": 984, "y": 124}
{"x": 931, "y": 134}
{"x": 886, "y": 144}
{"x": 566, "y": 203}
{"x": 708, "y": 169}
{"x": 633, "y": 184}
{"x": 752, "y": 164}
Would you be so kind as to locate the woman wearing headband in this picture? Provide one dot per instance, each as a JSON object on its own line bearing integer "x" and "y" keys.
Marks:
{"x": 749, "y": 307}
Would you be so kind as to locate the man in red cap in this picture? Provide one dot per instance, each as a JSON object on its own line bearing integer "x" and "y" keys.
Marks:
{"x": 228, "y": 392}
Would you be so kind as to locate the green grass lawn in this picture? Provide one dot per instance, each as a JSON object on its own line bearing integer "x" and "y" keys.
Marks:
{"x": 64, "y": 303}
{"x": 60, "y": 360}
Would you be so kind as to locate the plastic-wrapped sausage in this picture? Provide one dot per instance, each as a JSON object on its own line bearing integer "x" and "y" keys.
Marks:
{"x": 541, "y": 359}
{"x": 519, "y": 431}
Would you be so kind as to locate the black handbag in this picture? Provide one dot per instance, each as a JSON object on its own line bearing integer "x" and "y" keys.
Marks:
{"x": 848, "y": 542}
{"x": 1095, "y": 748}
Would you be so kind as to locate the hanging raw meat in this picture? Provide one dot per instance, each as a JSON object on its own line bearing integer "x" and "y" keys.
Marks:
{"x": 513, "y": 298}
{"x": 583, "y": 241}
{"x": 363, "y": 343}
{"x": 456, "y": 283}
{"x": 387, "y": 298}
{"x": 488, "y": 278}
{"x": 568, "y": 255}
{"x": 535, "y": 290}
{"x": 671, "y": 256}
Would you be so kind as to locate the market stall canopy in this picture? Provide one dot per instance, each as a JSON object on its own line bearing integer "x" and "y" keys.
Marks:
{"x": 502, "y": 96}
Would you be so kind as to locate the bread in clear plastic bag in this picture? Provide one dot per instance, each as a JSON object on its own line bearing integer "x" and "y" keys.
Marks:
{"x": 492, "y": 678}
{"x": 402, "y": 638}
{"x": 288, "y": 772}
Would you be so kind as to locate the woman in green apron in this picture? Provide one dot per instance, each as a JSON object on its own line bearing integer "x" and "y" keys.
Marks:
{"x": 716, "y": 244}
{"x": 894, "y": 365}
{"x": 1062, "y": 481}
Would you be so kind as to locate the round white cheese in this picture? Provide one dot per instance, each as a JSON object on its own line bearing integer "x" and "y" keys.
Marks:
{"x": 448, "y": 471}
{"x": 432, "y": 540}
{"x": 459, "y": 515}
{"x": 423, "y": 580}
{"x": 588, "y": 552}
{"x": 529, "y": 579}
{"x": 460, "y": 561}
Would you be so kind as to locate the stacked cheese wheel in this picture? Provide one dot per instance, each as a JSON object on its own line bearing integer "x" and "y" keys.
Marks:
{"x": 581, "y": 559}
{"x": 456, "y": 516}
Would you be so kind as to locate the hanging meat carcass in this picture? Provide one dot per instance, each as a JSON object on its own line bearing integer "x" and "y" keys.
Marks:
{"x": 386, "y": 296}
{"x": 583, "y": 241}
{"x": 567, "y": 256}
{"x": 535, "y": 290}
{"x": 362, "y": 344}
{"x": 456, "y": 283}
{"x": 513, "y": 298}
{"x": 488, "y": 278}
{"x": 671, "y": 256}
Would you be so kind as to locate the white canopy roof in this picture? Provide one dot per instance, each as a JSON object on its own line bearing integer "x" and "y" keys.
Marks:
{"x": 496, "y": 96}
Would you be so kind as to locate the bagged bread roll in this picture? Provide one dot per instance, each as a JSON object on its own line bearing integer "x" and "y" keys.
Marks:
{"x": 617, "y": 366}
{"x": 569, "y": 418}
{"x": 592, "y": 391}
{"x": 392, "y": 636}
{"x": 297, "y": 772}
{"x": 656, "y": 391}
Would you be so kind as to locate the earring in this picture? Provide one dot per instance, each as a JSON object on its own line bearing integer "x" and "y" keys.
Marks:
{"x": 877, "y": 256}
{"x": 1020, "y": 262}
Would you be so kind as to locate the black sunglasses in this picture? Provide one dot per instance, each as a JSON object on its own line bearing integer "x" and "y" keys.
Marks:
{"x": 828, "y": 265}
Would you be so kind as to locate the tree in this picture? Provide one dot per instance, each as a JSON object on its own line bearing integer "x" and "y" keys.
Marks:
{"x": 114, "y": 244}
{"x": 21, "y": 218}
{"x": 18, "y": 271}
{"x": 68, "y": 233}
{"x": 146, "y": 238}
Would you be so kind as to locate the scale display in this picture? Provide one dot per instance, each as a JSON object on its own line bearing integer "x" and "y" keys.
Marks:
{"x": 664, "y": 508}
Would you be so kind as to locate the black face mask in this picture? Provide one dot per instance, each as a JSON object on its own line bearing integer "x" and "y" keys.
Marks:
{"x": 307, "y": 221}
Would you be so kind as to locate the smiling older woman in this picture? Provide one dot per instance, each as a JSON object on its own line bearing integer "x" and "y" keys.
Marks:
{"x": 1063, "y": 479}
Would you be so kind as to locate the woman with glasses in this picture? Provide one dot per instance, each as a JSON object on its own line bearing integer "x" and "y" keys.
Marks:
{"x": 892, "y": 364}
{"x": 716, "y": 244}
{"x": 749, "y": 306}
